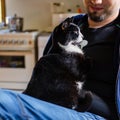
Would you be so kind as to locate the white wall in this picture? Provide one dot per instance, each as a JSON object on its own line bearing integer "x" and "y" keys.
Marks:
{"x": 37, "y": 13}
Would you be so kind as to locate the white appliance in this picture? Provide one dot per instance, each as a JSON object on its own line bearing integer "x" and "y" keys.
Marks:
{"x": 42, "y": 41}
{"x": 58, "y": 18}
{"x": 17, "y": 59}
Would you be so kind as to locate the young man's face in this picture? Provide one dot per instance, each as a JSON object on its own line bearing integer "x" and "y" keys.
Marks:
{"x": 98, "y": 10}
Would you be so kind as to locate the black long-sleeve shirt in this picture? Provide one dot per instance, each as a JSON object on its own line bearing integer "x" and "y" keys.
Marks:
{"x": 102, "y": 76}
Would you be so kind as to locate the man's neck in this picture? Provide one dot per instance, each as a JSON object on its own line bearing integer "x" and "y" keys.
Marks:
{"x": 93, "y": 24}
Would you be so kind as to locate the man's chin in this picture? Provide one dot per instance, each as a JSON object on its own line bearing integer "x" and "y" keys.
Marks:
{"x": 95, "y": 17}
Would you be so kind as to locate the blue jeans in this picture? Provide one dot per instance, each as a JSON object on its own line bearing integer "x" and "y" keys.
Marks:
{"x": 17, "y": 106}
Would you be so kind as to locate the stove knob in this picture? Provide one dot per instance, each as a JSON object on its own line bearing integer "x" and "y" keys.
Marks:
{"x": 21, "y": 42}
{"x": 30, "y": 42}
{"x": 10, "y": 41}
{"x": 15, "y": 41}
{"x": 4, "y": 42}
{"x": 0, "y": 41}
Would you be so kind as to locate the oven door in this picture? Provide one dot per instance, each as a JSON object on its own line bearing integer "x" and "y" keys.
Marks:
{"x": 16, "y": 68}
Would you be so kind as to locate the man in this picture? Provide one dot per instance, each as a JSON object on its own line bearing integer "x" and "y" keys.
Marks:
{"x": 100, "y": 29}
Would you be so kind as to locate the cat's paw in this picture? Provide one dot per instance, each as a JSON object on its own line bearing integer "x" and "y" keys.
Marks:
{"x": 85, "y": 101}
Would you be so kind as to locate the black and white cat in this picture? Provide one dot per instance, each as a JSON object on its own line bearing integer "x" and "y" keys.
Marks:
{"x": 58, "y": 77}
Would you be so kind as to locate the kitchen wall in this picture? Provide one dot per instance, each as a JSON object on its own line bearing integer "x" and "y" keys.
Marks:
{"x": 37, "y": 13}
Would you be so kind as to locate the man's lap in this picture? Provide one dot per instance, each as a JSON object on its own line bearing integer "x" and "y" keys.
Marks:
{"x": 17, "y": 106}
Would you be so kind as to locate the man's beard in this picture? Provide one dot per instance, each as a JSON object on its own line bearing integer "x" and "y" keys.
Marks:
{"x": 96, "y": 18}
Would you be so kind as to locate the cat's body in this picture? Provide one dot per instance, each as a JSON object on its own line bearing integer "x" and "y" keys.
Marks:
{"x": 59, "y": 76}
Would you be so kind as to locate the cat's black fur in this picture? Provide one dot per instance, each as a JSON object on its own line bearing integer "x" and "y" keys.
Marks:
{"x": 58, "y": 76}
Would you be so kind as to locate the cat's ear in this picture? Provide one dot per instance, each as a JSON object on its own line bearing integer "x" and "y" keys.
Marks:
{"x": 66, "y": 23}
